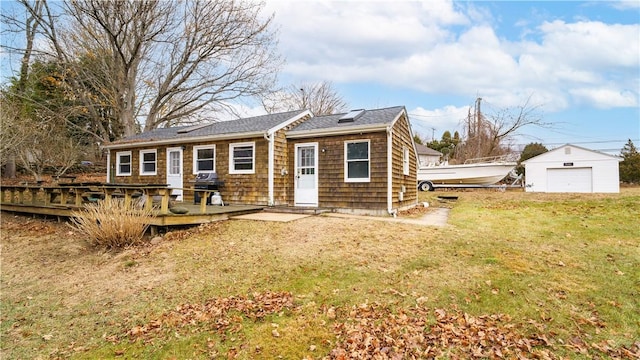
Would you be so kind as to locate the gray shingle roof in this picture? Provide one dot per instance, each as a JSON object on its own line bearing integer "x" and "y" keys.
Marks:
{"x": 424, "y": 150}
{"x": 245, "y": 125}
{"x": 369, "y": 117}
{"x": 263, "y": 123}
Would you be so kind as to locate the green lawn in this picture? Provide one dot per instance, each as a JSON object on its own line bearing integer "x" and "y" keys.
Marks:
{"x": 540, "y": 275}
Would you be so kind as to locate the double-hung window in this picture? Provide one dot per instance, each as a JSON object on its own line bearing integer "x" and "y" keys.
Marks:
{"x": 148, "y": 162}
{"x": 357, "y": 160}
{"x": 123, "y": 163}
{"x": 242, "y": 157}
{"x": 204, "y": 159}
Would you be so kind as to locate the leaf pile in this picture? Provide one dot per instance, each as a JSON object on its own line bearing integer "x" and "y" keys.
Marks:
{"x": 374, "y": 332}
{"x": 218, "y": 314}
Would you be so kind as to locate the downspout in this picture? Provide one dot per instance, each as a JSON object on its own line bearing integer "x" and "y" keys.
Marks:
{"x": 390, "y": 208}
{"x": 270, "y": 139}
{"x": 108, "y": 166}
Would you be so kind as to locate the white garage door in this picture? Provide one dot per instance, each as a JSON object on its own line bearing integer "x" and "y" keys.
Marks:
{"x": 578, "y": 180}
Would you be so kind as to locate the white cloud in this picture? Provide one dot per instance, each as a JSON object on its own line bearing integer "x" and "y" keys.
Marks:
{"x": 444, "y": 48}
{"x": 605, "y": 98}
{"x": 625, "y": 4}
{"x": 428, "y": 123}
{"x": 591, "y": 45}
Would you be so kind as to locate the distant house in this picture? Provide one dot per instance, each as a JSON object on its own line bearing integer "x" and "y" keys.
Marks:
{"x": 363, "y": 161}
{"x": 427, "y": 156}
{"x": 572, "y": 169}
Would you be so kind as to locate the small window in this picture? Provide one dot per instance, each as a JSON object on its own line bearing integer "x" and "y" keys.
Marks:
{"x": 148, "y": 164}
{"x": 405, "y": 160}
{"x": 204, "y": 159}
{"x": 123, "y": 163}
{"x": 242, "y": 158}
{"x": 356, "y": 167}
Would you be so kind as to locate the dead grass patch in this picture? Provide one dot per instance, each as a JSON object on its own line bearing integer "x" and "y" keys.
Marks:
{"x": 504, "y": 253}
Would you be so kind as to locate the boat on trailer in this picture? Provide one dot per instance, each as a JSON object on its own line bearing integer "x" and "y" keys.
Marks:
{"x": 473, "y": 173}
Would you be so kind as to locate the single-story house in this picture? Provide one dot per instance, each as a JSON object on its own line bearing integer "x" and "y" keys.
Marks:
{"x": 427, "y": 156}
{"x": 363, "y": 161}
{"x": 572, "y": 169}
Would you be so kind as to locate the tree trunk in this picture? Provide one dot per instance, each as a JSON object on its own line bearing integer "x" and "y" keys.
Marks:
{"x": 10, "y": 167}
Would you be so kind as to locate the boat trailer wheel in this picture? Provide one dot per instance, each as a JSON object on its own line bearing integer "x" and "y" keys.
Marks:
{"x": 425, "y": 186}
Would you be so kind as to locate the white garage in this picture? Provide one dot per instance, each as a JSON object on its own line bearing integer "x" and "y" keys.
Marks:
{"x": 572, "y": 169}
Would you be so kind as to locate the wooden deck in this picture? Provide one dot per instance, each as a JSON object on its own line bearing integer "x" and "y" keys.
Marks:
{"x": 62, "y": 201}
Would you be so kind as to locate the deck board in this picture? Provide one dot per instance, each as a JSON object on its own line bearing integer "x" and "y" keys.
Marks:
{"x": 193, "y": 217}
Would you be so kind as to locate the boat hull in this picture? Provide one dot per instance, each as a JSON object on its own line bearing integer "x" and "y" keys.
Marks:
{"x": 465, "y": 174}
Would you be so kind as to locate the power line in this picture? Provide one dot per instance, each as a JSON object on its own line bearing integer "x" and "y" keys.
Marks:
{"x": 430, "y": 116}
{"x": 593, "y": 142}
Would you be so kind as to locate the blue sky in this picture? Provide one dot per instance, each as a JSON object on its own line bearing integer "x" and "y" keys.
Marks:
{"x": 578, "y": 61}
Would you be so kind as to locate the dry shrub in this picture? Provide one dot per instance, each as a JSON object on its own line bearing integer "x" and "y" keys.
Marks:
{"x": 112, "y": 224}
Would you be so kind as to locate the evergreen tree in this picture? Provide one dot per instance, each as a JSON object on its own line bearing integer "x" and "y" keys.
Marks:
{"x": 630, "y": 165}
{"x": 529, "y": 151}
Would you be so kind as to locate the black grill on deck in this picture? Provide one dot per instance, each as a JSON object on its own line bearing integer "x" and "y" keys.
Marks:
{"x": 206, "y": 181}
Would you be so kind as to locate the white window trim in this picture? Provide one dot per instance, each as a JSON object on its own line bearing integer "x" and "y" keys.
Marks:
{"x": 148, "y": 151}
{"x": 405, "y": 160}
{"x": 195, "y": 158}
{"x": 346, "y": 162}
{"x": 120, "y": 154}
{"x": 232, "y": 169}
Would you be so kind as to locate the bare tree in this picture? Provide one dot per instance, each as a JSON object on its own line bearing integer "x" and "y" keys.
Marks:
{"x": 37, "y": 138}
{"x": 10, "y": 136}
{"x": 488, "y": 134}
{"x": 160, "y": 63}
{"x": 321, "y": 98}
{"x": 11, "y": 111}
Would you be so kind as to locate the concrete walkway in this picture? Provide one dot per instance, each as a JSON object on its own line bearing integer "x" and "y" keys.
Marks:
{"x": 271, "y": 216}
{"x": 436, "y": 217}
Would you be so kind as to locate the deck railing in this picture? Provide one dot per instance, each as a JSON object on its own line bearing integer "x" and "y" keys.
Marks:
{"x": 79, "y": 194}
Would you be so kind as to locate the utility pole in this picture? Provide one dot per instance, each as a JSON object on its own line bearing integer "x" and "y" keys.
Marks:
{"x": 304, "y": 99}
{"x": 433, "y": 134}
{"x": 478, "y": 116}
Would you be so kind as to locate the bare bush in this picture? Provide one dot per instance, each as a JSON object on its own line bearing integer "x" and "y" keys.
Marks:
{"x": 111, "y": 224}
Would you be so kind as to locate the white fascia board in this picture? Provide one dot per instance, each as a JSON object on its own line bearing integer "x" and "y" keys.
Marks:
{"x": 390, "y": 170}
{"x": 177, "y": 141}
{"x": 289, "y": 122}
{"x": 413, "y": 143}
{"x": 300, "y": 134}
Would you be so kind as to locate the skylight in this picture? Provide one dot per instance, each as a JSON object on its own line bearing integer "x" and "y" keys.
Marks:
{"x": 351, "y": 116}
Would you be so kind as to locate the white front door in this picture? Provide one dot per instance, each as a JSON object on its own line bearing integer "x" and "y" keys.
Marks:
{"x": 174, "y": 170}
{"x": 306, "y": 175}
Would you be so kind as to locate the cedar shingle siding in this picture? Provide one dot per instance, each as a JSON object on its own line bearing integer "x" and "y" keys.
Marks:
{"x": 333, "y": 191}
{"x": 402, "y": 138}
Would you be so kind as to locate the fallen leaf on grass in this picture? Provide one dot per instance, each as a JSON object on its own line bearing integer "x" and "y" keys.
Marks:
{"x": 214, "y": 314}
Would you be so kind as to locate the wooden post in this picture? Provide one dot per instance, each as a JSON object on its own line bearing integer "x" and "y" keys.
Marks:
{"x": 64, "y": 192}
{"x": 164, "y": 207}
{"x": 78, "y": 194}
{"x": 148, "y": 202}
{"x": 203, "y": 201}
{"x": 34, "y": 195}
{"x": 47, "y": 196}
{"x": 127, "y": 197}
